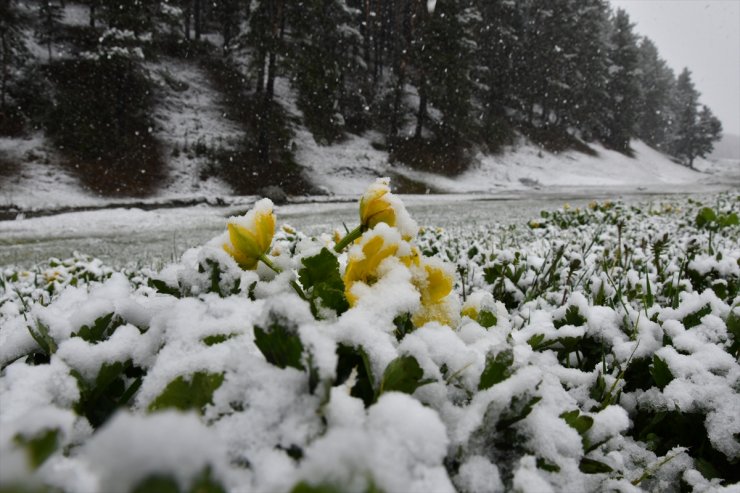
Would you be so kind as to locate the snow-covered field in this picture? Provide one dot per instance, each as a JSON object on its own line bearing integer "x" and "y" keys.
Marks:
{"x": 594, "y": 347}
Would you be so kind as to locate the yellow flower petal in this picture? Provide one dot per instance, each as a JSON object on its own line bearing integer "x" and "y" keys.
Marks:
{"x": 250, "y": 237}
{"x": 363, "y": 267}
{"x": 375, "y": 206}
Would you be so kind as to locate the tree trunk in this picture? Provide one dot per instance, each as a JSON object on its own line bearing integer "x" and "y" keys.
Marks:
{"x": 276, "y": 25}
{"x": 92, "y": 15}
{"x": 6, "y": 62}
{"x": 261, "y": 59}
{"x": 187, "y": 13}
{"x": 196, "y": 19}
{"x": 421, "y": 114}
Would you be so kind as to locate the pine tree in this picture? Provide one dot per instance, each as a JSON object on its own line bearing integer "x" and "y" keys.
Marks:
{"x": 12, "y": 48}
{"x": 92, "y": 6}
{"x": 228, "y": 14}
{"x": 710, "y": 131}
{"x": 685, "y": 104}
{"x": 265, "y": 37}
{"x": 136, "y": 16}
{"x": 623, "y": 91}
{"x": 657, "y": 84}
{"x": 50, "y": 15}
{"x": 321, "y": 55}
{"x": 495, "y": 71}
{"x": 584, "y": 110}
{"x": 695, "y": 131}
{"x": 443, "y": 57}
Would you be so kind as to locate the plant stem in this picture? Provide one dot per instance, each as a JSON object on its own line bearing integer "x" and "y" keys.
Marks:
{"x": 278, "y": 270}
{"x": 349, "y": 238}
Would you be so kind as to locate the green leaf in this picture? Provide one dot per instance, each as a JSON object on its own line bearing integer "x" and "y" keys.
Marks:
{"x": 40, "y": 446}
{"x": 660, "y": 372}
{"x": 572, "y": 317}
{"x": 705, "y": 216}
{"x": 403, "y": 374}
{"x": 706, "y": 468}
{"x": 281, "y": 346}
{"x": 694, "y": 319}
{"x": 100, "y": 398}
{"x": 537, "y": 342}
{"x": 212, "y": 340}
{"x": 322, "y": 281}
{"x": 43, "y": 338}
{"x": 521, "y": 406}
{"x": 547, "y": 466}
{"x": 498, "y": 368}
{"x": 304, "y": 487}
{"x": 195, "y": 393}
{"x": 204, "y": 483}
{"x": 215, "y": 276}
{"x": 579, "y": 422}
{"x": 349, "y": 358}
{"x": 733, "y": 328}
{"x": 101, "y": 329}
{"x": 591, "y": 466}
{"x": 404, "y": 326}
{"x": 727, "y": 220}
{"x": 157, "y": 484}
{"x": 164, "y": 288}
{"x": 487, "y": 319}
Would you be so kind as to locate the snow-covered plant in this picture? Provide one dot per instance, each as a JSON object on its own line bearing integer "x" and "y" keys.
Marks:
{"x": 596, "y": 351}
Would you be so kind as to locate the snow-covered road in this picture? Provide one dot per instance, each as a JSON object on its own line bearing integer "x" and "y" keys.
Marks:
{"x": 156, "y": 237}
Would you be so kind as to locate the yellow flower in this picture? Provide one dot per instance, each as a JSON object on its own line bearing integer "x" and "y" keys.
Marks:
{"x": 251, "y": 236}
{"x": 470, "y": 311}
{"x": 435, "y": 285}
{"x": 375, "y": 206}
{"x": 364, "y": 260}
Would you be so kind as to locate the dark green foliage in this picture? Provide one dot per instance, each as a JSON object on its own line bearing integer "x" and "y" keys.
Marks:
{"x": 217, "y": 339}
{"x": 498, "y": 368}
{"x": 304, "y": 487}
{"x": 487, "y": 319}
{"x": 591, "y": 466}
{"x": 733, "y": 329}
{"x": 280, "y": 345}
{"x": 349, "y": 358}
{"x": 579, "y": 422}
{"x": 113, "y": 387}
{"x": 101, "y": 329}
{"x": 520, "y": 407}
{"x": 572, "y": 317}
{"x": 694, "y": 319}
{"x": 404, "y": 325}
{"x": 188, "y": 393}
{"x": 322, "y": 281}
{"x": 164, "y": 288}
{"x": 403, "y": 374}
{"x": 660, "y": 372}
{"x": 667, "y": 429}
